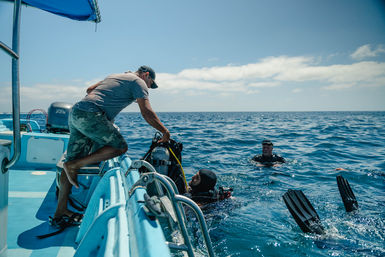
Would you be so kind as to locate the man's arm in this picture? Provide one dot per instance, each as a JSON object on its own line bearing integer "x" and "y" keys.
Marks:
{"x": 89, "y": 90}
{"x": 150, "y": 116}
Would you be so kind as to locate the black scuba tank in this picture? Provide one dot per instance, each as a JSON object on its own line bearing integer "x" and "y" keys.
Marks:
{"x": 160, "y": 159}
{"x": 165, "y": 162}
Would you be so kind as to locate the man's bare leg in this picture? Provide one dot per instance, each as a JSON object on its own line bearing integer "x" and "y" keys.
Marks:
{"x": 65, "y": 188}
{"x": 102, "y": 154}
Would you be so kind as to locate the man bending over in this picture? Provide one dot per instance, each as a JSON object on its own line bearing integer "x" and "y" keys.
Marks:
{"x": 91, "y": 126}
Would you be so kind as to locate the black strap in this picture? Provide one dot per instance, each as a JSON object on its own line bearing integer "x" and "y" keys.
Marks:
{"x": 161, "y": 162}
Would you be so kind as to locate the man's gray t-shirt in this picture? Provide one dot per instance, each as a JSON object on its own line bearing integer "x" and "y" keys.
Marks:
{"x": 114, "y": 93}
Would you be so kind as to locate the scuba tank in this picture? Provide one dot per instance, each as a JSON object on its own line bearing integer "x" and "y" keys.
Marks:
{"x": 160, "y": 159}
{"x": 166, "y": 163}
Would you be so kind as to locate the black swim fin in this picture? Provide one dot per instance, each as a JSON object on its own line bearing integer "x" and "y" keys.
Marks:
{"x": 347, "y": 194}
{"x": 303, "y": 212}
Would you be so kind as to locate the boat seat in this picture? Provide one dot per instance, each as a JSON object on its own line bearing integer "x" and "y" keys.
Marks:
{"x": 108, "y": 193}
{"x": 84, "y": 171}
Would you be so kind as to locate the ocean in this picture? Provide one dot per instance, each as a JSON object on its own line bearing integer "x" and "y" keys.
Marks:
{"x": 317, "y": 147}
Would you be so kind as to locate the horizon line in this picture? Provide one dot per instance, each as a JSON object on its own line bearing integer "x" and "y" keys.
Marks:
{"x": 235, "y": 111}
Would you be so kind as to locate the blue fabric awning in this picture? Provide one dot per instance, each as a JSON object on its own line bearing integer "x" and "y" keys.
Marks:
{"x": 82, "y": 10}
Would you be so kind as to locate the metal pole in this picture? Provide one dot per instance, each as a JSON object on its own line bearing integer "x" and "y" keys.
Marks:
{"x": 15, "y": 86}
{"x": 177, "y": 209}
{"x": 165, "y": 181}
{"x": 8, "y": 50}
{"x": 198, "y": 213}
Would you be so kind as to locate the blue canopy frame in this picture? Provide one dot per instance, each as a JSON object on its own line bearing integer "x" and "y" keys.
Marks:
{"x": 82, "y": 10}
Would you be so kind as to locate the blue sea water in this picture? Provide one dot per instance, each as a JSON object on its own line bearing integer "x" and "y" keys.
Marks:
{"x": 256, "y": 221}
{"x": 316, "y": 145}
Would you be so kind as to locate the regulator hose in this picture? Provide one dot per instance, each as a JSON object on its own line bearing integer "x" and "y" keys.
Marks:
{"x": 180, "y": 164}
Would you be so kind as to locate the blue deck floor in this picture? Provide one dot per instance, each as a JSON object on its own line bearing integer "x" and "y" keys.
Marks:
{"x": 31, "y": 200}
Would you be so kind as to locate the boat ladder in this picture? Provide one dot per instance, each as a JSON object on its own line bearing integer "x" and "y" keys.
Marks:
{"x": 170, "y": 206}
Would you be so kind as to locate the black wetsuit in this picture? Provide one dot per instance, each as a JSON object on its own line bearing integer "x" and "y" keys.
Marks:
{"x": 211, "y": 196}
{"x": 268, "y": 160}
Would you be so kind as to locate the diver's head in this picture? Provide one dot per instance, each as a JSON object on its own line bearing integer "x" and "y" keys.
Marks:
{"x": 203, "y": 181}
{"x": 267, "y": 148}
{"x": 148, "y": 75}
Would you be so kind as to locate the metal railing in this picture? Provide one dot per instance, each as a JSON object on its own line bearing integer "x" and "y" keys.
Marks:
{"x": 14, "y": 53}
{"x": 169, "y": 185}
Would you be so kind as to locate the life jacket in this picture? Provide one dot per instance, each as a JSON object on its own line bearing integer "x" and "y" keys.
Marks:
{"x": 212, "y": 196}
{"x": 165, "y": 162}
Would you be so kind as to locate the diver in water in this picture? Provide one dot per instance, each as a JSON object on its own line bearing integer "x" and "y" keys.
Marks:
{"x": 202, "y": 188}
{"x": 267, "y": 158}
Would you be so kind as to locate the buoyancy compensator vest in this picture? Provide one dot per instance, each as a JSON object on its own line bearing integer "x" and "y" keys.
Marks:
{"x": 212, "y": 196}
{"x": 167, "y": 159}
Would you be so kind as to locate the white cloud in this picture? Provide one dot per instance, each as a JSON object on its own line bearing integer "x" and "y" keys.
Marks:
{"x": 42, "y": 95}
{"x": 252, "y": 92}
{"x": 248, "y": 79}
{"x": 355, "y": 73}
{"x": 266, "y": 68}
{"x": 297, "y": 90}
{"x": 51, "y": 92}
{"x": 264, "y": 84}
{"x": 274, "y": 72}
{"x": 91, "y": 82}
{"x": 338, "y": 87}
{"x": 366, "y": 51}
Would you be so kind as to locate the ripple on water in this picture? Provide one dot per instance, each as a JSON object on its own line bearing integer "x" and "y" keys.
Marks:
{"x": 256, "y": 222}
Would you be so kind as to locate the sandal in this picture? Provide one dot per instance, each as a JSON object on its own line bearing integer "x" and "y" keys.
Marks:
{"x": 76, "y": 219}
{"x": 62, "y": 223}
{"x": 58, "y": 222}
{"x": 66, "y": 221}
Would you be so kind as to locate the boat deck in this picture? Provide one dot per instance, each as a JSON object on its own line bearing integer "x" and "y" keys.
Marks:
{"x": 31, "y": 201}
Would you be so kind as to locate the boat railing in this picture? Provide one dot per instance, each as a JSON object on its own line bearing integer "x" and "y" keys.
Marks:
{"x": 116, "y": 225}
{"x": 108, "y": 235}
{"x": 103, "y": 199}
{"x": 14, "y": 53}
{"x": 119, "y": 212}
{"x": 176, "y": 201}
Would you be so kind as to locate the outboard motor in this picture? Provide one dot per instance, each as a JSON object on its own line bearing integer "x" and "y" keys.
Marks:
{"x": 57, "y": 121}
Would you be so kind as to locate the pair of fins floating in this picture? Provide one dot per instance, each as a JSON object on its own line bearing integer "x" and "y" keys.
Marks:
{"x": 304, "y": 213}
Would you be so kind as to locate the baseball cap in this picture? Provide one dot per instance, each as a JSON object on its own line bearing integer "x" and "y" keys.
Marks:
{"x": 145, "y": 68}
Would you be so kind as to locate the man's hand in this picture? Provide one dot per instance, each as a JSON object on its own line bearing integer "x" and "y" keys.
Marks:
{"x": 165, "y": 138}
{"x": 91, "y": 88}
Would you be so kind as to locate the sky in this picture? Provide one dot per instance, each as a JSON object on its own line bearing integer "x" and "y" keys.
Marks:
{"x": 216, "y": 55}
